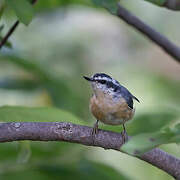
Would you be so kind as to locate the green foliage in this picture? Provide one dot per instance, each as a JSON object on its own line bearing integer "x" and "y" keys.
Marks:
{"x": 57, "y": 88}
{"x": 157, "y": 2}
{"x": 1, "y": 8}
{"x": 149, "y": 130}
{"x": 52, "y": 4}
{"x": 111, "y": 5}
{"x": 144, "y": 142}
{"x": 33, "y": 114}
{"x": 24, "y": 152}
{"x": 147, "y": 122}
{"x": 83, "y": 169}
{"x": 172, "y": 5}
{"x": 151, "y": 122}
{"x": 23, "y": 10}
{"x": 7, "y": 44}
{"x": 17, "y": 84}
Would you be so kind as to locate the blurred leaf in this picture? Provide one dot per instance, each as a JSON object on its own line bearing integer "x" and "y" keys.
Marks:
{"x": 151, "y": 122}
{"x": 29, "y": 66}
{"x": 23, "y": 10}
{"x": 80, "y": 170}
{"x": 111, "y": 5}
{"x": 83, "y": 169}
{"x": 176, "y": 131}
{"x": 24, "y": 151}
{"x": 147, "y": 122}
{"x": 94, "y": 170}
{"x": 38, "y": 114}
{"x": 142, "y": 143}
{"x": 23, "y": 84}
{"x": 1, "y": 7}
{"x": 52, "y": 4}
{"x": 23, "y": 173}
{"x": 61, "y": 94}
{"x": 1, "y": 27}
{"x": 54, "y": 151}
{"x": 157, "y": 2}
{"x": 171, "y": 93}
{"x": 7, "y": 44}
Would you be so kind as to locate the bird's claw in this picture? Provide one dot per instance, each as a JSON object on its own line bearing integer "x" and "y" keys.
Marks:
{"x": 95, "y": 130}
{"x": 124, "y": 137}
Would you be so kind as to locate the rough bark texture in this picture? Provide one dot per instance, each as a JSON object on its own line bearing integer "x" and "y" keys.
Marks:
{"x": 62, "y": 131}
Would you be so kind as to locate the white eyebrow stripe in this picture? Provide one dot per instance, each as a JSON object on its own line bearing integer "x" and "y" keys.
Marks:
{"x": 108, "y": 79}
{"x": 115, "y": 82}
{"x": 103, "y": 78}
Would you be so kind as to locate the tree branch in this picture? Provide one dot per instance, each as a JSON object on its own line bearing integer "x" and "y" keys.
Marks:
{"x": 170, "y": 4}
{"x": 63, "y": 131}
{"x": 150, "y": 33}
{"x": 11, "y": 30}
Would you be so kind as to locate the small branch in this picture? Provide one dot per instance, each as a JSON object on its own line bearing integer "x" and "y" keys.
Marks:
{"x": 150, "y": 33}
{"x": 63, "y": 131}
{"x": 170, "y": 4}
{"x": 11, "y": 30}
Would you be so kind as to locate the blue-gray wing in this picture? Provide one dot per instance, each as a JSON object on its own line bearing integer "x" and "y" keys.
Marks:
{"x": 127, "y": 96}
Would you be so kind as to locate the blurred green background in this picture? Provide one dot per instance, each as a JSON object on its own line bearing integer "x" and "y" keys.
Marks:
{"x": 71, "y": 38}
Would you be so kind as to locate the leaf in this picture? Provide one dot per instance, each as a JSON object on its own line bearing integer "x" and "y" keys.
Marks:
{"x": 23, "y": 10}
{"x": 147, "y": 122}
{"x": 1, "y": 7}
{"x": 52, "y": 4}
{"x": 19, "y": 84}
{"x": 1, "y": 27}
{"x": 95, "y": 170}
{"x": 24, "y": 151}
{"x": 111, "y": 5}
{"x": 32, "y": 67}
{"x": 62, "y": 95}
{"x": 151, "y": 122}
{"x": 84, "y": 169}
{"x": 142, "y": 143}
{"x": 36, "y": 114}
{"x": 157, "y": 2}
{"x": 7, "y": 44}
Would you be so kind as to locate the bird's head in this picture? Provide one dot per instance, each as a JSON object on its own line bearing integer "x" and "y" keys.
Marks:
{"x": 102, "y": 82}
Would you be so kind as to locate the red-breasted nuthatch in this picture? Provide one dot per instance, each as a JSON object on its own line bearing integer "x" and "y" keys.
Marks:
{"x": 111, "y": 102}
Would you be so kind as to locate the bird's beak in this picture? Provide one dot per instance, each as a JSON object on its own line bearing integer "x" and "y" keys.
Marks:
{"x": 88, "y": 79}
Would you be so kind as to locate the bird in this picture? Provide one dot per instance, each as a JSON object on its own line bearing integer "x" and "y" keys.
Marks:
{"x": 111, "y": 103}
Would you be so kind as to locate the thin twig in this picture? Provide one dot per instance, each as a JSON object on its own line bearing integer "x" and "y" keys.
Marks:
{"x": 172, "y": 5}
{"x": 11, "y": 30}
{"x": 153, "y": 35}
{"x": 63, "y": 131}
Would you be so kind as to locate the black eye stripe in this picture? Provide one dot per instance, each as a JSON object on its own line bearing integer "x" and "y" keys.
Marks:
{"x": 102, "y": 81}
{"x": 109, "y": 84}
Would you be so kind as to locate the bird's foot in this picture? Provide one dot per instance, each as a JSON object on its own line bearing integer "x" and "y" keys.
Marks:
{"x": 124, "y": 136}
{"x": 95, "y": 130}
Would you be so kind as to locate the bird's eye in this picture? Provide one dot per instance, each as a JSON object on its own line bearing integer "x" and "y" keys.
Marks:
{"x": 103, "y": 81}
